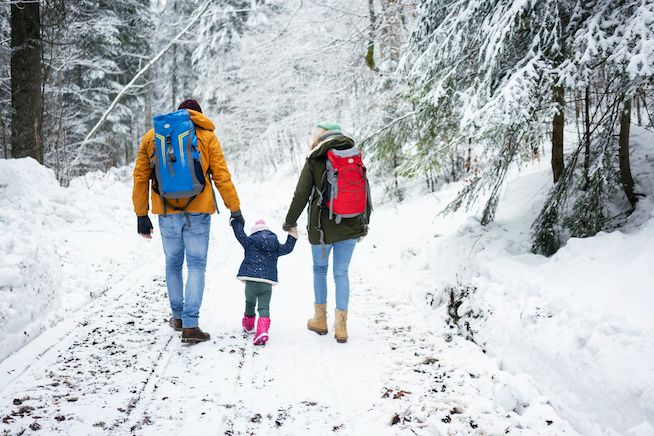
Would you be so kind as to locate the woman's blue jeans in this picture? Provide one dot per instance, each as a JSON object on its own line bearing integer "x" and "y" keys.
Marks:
{"x": 342, "y": 255}
{"x": 179, "y": 239}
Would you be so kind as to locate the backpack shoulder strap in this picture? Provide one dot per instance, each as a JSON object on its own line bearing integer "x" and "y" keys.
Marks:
{"x": 213, "y": 191}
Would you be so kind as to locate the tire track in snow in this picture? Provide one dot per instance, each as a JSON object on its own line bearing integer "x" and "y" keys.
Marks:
{"x": 144, "y": 395}
{"x": 95, "y": 378}
{"x": 32, "y": 353}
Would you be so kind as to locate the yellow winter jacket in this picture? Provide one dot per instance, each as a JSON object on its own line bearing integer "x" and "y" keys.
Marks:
{"x": 211, "y": 157}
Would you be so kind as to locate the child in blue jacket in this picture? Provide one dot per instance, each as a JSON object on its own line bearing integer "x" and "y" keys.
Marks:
{"x": 259, "y": 272}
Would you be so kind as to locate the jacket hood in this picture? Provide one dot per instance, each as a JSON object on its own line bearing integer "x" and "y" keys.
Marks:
{"x": 265, "y": 240}
{"x": 331, "y": 140}
{"x": 201, "y": 120}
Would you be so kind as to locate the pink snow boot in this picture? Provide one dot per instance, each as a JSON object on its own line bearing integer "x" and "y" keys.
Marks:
{"x": 261, "y": 337}
{"x": 248, "y": 324}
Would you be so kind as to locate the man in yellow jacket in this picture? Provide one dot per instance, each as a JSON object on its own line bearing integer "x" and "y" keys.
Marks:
{"x": 185, "y": 232}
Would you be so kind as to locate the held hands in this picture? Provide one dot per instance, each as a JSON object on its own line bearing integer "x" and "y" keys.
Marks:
{"x": 144, "y": 226}
{"x": 291, "y": 229}
{"x": 293, "y": 232}
{"x": 237, "y": 216}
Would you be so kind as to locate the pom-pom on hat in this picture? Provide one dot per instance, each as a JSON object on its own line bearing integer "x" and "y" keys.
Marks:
{"x": 329, "y": 126}
{"x": 258, "y": 226}
{"x": 190, "y": 104}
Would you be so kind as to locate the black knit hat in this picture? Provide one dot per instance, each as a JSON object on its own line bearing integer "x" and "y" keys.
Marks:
{"x": 190, "y": 104}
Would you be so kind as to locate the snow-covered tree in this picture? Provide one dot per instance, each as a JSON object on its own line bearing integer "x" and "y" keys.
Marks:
{"x": 495, "y": 79}
{"x": 290, "y": 67}
{"x": 92, "y": 48}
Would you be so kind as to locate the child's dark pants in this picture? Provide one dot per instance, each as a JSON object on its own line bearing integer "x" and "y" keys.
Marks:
{"x": 257, "y": 295}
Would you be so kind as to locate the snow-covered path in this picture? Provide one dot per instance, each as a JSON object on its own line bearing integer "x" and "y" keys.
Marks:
{"x": 115, "y": 367}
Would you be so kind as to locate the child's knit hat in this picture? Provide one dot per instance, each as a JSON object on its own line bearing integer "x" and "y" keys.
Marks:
{"x": 258, "y": 226}
{"x": 329, "y": 126}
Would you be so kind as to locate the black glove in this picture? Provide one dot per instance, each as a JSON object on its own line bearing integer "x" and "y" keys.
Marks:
{"x": 144, "y": 225}
{"x": 238, "y": 216}
{"x": 286, "y": 227}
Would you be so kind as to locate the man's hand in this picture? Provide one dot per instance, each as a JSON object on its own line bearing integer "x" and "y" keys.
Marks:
{"x": 238, "y": 216}
{"x": 144, "y": 226}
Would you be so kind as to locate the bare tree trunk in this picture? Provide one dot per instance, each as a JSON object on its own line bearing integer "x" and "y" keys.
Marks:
{"x": 147, "y": 113}
{"x": 468, "y": 164}
{"x": 587, "y": 134}
{"x": 174, "y": 67}
{"x": 578, "y": 114}
{"x": 66, "y": 176}
{"x": 396, "y": 164}
{"x": 60, "y": 135}
{"x": 649, "y": 117}
{"x": 370, "y": 52}
{"x": 26, "y": 80}
{"x": 4, "y": 140}
{"x": 637, "y": 98}
{"x": 558, "y": 123}
{"x": 173, "y": 79}
{"x": 625, "y": 166}
{"x": 391, "y": 31}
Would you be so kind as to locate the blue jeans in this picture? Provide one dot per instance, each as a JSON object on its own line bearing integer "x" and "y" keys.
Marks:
{"x": 342, "y": 255}
{"x": 178, "y": 239}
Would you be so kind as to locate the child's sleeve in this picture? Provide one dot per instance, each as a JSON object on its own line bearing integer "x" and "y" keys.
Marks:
{"x": 240, "y": 233}
{"x": 287, "y": 247}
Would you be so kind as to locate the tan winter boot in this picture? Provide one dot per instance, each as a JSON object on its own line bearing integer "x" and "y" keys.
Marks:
{"x": 318, "y": 323}
{"x": 340, "y": 326}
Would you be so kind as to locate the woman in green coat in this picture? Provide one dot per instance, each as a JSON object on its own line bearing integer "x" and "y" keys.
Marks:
{"x": 327, "y": 235}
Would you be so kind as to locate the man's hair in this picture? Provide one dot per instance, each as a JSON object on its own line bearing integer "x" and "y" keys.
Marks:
{"x": 190, "y": 104}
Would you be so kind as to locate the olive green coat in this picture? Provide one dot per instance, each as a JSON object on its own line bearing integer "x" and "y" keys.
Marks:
{"x": 312, "y": 176}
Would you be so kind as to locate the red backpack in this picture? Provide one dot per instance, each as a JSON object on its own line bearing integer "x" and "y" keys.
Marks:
{"x": 346, "y": 192}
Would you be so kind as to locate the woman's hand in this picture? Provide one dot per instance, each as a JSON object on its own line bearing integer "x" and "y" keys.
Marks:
{"x": 293, "y": 232}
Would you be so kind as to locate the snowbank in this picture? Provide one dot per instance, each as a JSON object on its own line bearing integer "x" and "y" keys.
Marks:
{"x": 61, "y": 247}
{"x": 29, "y": 266}
{"x": 578, "y": 325}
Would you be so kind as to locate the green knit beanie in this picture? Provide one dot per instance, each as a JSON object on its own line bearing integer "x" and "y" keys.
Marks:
{"x": 329, "y": 126}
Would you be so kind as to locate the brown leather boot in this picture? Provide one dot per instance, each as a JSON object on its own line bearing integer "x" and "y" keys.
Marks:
{"x": 340, "y": 326}
{"x": 194, "y": 335}
{"x": 175, "y": 323}
{"x": 318, "y": 323}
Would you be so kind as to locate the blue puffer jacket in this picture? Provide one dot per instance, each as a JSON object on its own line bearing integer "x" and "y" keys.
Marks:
{"x": 261, "y": 252}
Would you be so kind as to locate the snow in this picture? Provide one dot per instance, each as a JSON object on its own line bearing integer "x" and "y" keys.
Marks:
{"x": 578, "y": 324}
{"x": 455, "y": 328}
{"x": 63, "y": 246}
{"x": 114, "y": 366}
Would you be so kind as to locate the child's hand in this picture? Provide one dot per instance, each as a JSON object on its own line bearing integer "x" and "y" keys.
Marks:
{"x": 293, "y": 232}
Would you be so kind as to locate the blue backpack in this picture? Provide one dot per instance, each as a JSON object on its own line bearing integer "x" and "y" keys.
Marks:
{"x": 176, "y": 160}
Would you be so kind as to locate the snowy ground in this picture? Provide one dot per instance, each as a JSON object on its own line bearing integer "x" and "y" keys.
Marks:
{"x": 454, "y": 328}
{"x": 114, "y": 367}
